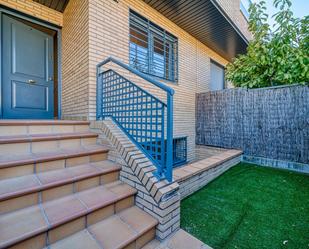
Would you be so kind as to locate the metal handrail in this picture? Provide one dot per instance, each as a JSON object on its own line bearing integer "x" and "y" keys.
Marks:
{"x": 138, "y": 73}
{"x": 164, "y": 171}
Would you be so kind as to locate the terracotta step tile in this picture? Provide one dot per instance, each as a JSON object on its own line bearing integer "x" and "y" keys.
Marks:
{"x": 191, "y": 169}
{"x": 21, "y": 224}
{"x": 106, "y": 166}
{"x": 184, "y": 240}
{"x": 13, "y": 186}
{"x": 12, "y": 161}
{"x": 67, "y": 174}
{"x": 194, "y": 168}
{"x": 80, "y": 240}
{"x": 63, "y": 209}
{"x": 113, "y": 233}
{"x": 23, "y": 122}
{"x": 77, "y": 171}
{"x": 133, "y": 229}
{"x": 97, "y": 197}
{"x": 154, "y": 244}
{"x": 137, "y": 219}
{"x": 54, "y": 176}
{"x": 45, "y": 137}
{"x": 29, "y": 222}
{"x": 121, "y": 188}
{"x": 181, "y": 173}
{"x": 179, "y": 240}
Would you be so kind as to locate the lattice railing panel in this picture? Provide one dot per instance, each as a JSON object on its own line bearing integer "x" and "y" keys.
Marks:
{"x": 140, "y": 114}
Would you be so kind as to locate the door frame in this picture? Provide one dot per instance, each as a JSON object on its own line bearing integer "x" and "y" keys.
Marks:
{"x": 12, "y": 12}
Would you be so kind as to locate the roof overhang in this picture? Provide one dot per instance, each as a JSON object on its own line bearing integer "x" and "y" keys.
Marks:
{"x": 58, "y": 5}
{"x": 207, "y": 22}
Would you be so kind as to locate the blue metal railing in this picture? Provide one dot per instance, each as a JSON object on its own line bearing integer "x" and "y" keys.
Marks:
{"x": 179, "y": 151}
{"x": 146, "y": 120}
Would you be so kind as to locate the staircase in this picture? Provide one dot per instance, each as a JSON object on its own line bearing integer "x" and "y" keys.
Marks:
{"x": 59, "y": 190}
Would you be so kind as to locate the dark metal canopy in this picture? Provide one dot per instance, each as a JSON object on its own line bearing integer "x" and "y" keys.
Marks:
{"x": 206, "y": 21}
{"x": 58, "y": 5}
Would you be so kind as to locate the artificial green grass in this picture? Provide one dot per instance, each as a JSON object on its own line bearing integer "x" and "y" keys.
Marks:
{"x": 252, "y": 207}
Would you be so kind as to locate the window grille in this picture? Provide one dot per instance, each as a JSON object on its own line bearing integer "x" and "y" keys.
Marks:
{"x": 153, "y": 50}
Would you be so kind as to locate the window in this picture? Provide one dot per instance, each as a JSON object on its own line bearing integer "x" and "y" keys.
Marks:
{"x": 244, "y": 8}
{"x": 217, "y": 80}
{"x": 152, "y": 49}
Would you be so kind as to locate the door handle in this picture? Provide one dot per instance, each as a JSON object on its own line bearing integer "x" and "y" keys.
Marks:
{"x": 31, "y": 81}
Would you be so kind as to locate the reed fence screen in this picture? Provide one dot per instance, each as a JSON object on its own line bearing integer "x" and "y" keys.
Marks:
{"x": 267, "y": 122}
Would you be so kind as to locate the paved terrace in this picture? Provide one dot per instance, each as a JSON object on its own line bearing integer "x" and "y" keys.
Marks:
{"x": 180, "y": 240}
{"x": 206, "y": 157}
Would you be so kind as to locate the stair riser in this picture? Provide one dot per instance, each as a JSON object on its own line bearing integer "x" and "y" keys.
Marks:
{"x": 37, "y": 197}
{"x": 41, "y": 129}
{"x": 28, "y": 169}
{"x": 15, "y": 149}
{"x": 144, "y": 239}
{"x": 71, "y": 227}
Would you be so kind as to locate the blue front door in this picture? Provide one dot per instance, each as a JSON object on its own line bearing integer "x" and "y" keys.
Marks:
{"x": 27, "y": 71}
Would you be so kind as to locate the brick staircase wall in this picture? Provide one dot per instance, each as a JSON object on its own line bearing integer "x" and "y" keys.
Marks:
{"x": 160, "y": 199}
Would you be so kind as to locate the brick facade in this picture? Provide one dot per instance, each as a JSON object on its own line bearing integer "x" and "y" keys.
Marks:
{"x": 35, "y": 9}
{"x": 109, "y": 36}
{"x": 94, "y": 30}
{"x": 75, "y": 60}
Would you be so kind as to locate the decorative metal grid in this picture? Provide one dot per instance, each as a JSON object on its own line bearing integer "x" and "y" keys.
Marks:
{"x": 179, "y": 151}
{"x": 137, "y": 112}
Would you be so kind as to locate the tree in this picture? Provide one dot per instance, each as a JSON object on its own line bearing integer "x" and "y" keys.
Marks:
{"x": 275, "y": 56}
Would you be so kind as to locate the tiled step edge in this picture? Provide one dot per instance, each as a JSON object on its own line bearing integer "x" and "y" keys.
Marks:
{"x": 72, "y": 216}
{"x": 195, "y": 168}
{"x": 45, "y": 137}
{"x": 139, "y": 238}
{"x": 41, "y": 122}
{"x": 45, "y": 157}
{"x": 30, "y": 190}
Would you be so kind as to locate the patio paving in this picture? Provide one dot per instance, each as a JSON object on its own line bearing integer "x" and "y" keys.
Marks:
{"x": 180, "y": 240}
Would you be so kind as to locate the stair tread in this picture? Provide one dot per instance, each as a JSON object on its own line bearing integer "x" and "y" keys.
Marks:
{"x": 17, "y": 186}
{"x": 20, "y": 225}
{"x": 128, "y": 224}
{"x": 22, "y": 122}
{"x": 79, "y": 240}
{"x": 10, "y": 161}
{"x": 45, "y": 137}
{"x": 25, "y": 223}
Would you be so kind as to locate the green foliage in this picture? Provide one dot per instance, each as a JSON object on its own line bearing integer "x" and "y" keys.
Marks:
{"x": 275, "y": 56}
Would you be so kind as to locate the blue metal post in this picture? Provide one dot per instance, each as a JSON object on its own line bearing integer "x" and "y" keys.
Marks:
{"x": 169, "y": 142}
{"x": 99, "y": 94}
